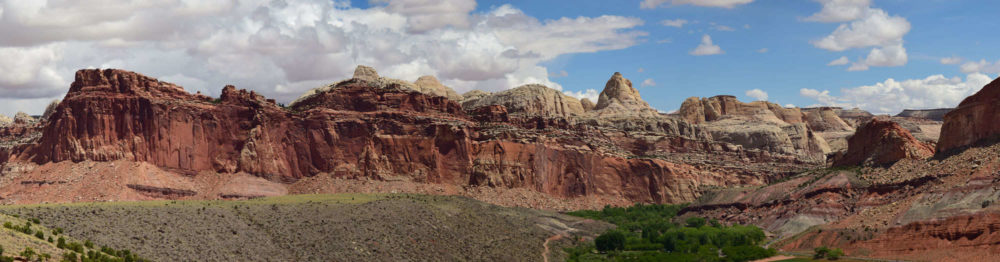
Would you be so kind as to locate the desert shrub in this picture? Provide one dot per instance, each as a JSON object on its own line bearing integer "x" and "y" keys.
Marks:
{"x": 834, "y": 254}
{"x": 695, "y": 222}
{"x": 51, "y": 240}
{"x": 88, "y": 244}
{"x": 57, "y": 231}
{"x": 28, "y": 253}
{"x": 69, "y": 256}
{"x": 40, "y": 235}
{"x": 36, "y": 221}
{"x": 611, "y": 240}
{"x": 8, "y": 225}
{"x": 61, "y": 243}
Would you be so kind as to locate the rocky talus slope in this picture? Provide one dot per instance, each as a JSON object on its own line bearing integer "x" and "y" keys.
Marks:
{"x": 898, "y": 204}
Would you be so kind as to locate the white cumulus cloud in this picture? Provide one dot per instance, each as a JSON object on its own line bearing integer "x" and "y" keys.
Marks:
{"x": 650, "y": 4}
{"x": 954, "y": 60}
{"x": 839, "y": 61}
{"x": 981, "y": 67}
{"x": 840, "y": 10}
{"x": 648, "y": 82}
{"x": 864, "y": 27}
{"x": 706, "y": 47}
{"x": 892, "y": 96}
{"x": 282, "y": 48}
{"x": 589, "y": 94}
{"x": 757, "y": 94}
{"x": 678, "y": 23}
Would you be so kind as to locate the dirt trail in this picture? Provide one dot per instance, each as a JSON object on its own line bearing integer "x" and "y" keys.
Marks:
{"x": 545, "y": 254}
{"x": 775, "y": 258}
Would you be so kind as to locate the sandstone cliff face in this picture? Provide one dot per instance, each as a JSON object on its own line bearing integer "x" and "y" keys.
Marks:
{"x": 715, "y": 108}
{"x": 530, "y": 99}
{"x": 929, "y": 114}
{"x": 359, "y": 129}
{"x": 825, "y": 119}
{"x": 758, "y": 125}
{"x": 882, "y": 142}
{"x": 976, "y": 119}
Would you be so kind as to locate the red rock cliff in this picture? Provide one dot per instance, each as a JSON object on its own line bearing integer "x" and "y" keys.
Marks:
{"x": 882, "y": 142}
{"x": 352, "y": 130}
{"x": 976, "y": 119}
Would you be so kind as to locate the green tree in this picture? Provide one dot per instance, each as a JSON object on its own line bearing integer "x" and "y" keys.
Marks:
{"x": 611, "y": 240}
{"x": 695, "y": 222}
{"x": 70, "y": 256}
{"x": 820, "y": 252}
{"x": 834, "y": 254}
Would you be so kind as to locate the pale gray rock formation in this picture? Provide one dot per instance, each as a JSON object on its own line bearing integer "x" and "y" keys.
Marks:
{"x": 531, "y": 99}
{"x": 430, "y": 85}
{"x": 619, "y": 98}
{"x": 756, "y": 125}
{"x": 366, "y": 73}
{"x": 5, "y": 120}
{"x": 587, "y": 104}
{"x": 826, "y": 119}
{"x": 23, "y": 118}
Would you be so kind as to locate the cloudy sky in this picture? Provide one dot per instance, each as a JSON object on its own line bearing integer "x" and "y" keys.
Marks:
{"x": 879, "y": 55}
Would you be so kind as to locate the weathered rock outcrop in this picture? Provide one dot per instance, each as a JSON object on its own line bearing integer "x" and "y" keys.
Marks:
{"x": 929, "y": 114}
{"x": 825, "y": 119}
{"x": 532, "y": 99}
{"x": 854, "y": 116}
{"x": 976, "y": 119}
{"x": 430, "y": 85}
{"x": 714, "y": 108}
{"x": 882, "y": 142}
{"x": 6, "y": 120}
{"x": 366, "y": 73}
{"x": 619, "y": 98}
{"x": 587, "y": 104}
{"x": 759, "y": 124}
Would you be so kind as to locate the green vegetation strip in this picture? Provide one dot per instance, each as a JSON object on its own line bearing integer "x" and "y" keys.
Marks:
{"x": 648, "y": 233}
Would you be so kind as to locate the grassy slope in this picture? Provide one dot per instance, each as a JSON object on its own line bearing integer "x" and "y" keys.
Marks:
{"x": 352, "y": 227}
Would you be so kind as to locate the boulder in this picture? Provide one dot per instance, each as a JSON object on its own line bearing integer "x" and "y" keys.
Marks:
{"x": 587, "y": 104}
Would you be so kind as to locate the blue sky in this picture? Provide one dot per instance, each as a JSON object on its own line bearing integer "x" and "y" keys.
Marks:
{"x": 890, "y": 54}
{"x": 939, "y": 29}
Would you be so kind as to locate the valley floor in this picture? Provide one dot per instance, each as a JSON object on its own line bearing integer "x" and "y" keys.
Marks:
{"x": 349, "y": 227}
